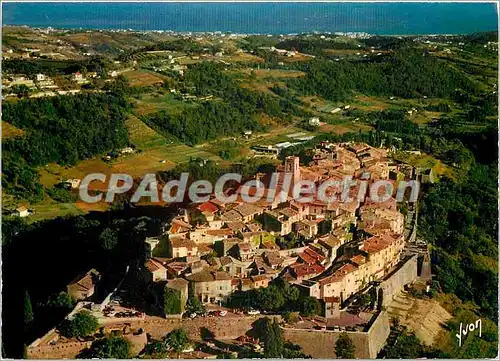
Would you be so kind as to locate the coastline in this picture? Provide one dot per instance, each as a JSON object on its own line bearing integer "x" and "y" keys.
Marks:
{"x": 221, "y": 33}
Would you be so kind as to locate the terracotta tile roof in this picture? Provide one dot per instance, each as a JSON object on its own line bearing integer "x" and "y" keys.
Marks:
{"x": 179, "y": 226}
{"x": 301, "y": 269}
{"x": 224, "y": 261}
{"x": 203, "y": 248}
{"x": 376, "y": 244}
{"x": 247, "y": 209}
{"x": 208, "y": 207}
{"x": 231, "y": 216}
{"x": 388, "y": 204}
{"x": 289, "y": 212}
{"x": 273, "y": 258}
{"x": 153, "y": 266}
{"x": 359, "y": 259}
{"x": 259, "y": 278}
{"x": 209, "y": 276}
{"x": 182, "y": 243}
{"x": 220, "y": 232}
{"x": 359, "y": 147}
{"x": 86, "y": 281}
{"x": 199, "y": 264}
{"x": 162, "y": 260}
{"x": 177, "y": 284}
{"x": 339, "y": 274}
{"x": 309, "y": 256}
{"x": 177, "y": 266}
{"x": 236, "y": 226}
{"x": 330, "y": 241}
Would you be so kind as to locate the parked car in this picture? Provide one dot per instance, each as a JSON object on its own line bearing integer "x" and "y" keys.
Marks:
{"x": 193, "y": 315}
{"x": 253, "y": 312}
{"x": 222, "y": 313}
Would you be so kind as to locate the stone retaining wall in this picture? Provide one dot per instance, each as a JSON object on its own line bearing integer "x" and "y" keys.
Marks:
{"x": 321, "y": 344}
{"x": 221, "y": 327}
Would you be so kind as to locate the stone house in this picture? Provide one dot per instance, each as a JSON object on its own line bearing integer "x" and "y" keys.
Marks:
{"x": 182, "y": 247}
{"x": 211, "y": 286}
{"x": 154, "y": 271}
{"x": 83, "y": 286}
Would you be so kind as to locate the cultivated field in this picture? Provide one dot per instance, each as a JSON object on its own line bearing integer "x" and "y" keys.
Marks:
{"x": 142, "y": 78}
{"x": 152, "y": 103}
{"x": 10, "y": 131}
{"x": 274, "y": 73}
{"x": 344, "y": 128}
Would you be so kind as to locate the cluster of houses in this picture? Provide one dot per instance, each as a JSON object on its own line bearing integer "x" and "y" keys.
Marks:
{"x": 43, "y": 85}
{"x": 219, "y": 248}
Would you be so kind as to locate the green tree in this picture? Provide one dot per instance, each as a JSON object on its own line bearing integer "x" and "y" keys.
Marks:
{"x": 28, "y": 310}
{"x": 21, "y": 90}
{"x": 380, "y": 299}
{"x": 60, "y": 300}
{"x": 270, "y": 298}
{"x": 291, "y": 350}
{"x": 406, "y": 346}
{"x": 108, "y": 239}
{"x": 291, "y": 317}
{"x": 270, "y": 333}
{"x": 178, "y": 340}
{"x": 373, "y": 297}
{"x": 157, "y": 349}
{"x": 113, "y": 347}
{"x": 171, "y": 301}
{"x": 344, "y": 348}
{"x": 309, "y": 306}
{"x": 194, "y": 306}
{"x": 82, "y": 324}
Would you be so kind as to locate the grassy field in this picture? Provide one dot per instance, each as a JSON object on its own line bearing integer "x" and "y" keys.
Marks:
{"x": 367, "y": 103}
{"x": 153, "y": 154}
{"x": 182, "y": 153}
{"x": 425, "y": 161}
{"x": 10, "y": 131}
{"x": 152, "y": 103}
{"x": 141, "y": 135}
{"x": 48, "y": 208}
{"x": 344, "y": 128}
{"x": 274, "y": 73}
{"x": 142, "y": 78}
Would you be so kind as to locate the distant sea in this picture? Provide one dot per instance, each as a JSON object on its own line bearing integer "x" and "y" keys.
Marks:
{"x": 262, "y": 18}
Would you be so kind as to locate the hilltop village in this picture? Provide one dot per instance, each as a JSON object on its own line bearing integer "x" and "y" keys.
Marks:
{"x": 345, "y": 260}
{"x": 233, "y": 246}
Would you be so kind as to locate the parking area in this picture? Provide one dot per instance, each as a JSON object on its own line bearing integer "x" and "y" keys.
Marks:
{"x": 219, "y": 311}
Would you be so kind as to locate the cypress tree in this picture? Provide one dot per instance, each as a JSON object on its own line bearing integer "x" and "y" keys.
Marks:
{"x": 28, "y": 310}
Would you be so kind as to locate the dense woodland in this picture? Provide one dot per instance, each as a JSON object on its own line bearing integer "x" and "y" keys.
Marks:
{"x": 55, "y": 67}
{"x": 63, "y": 129}
{"x": 406, "y": 73}
{"x": 233, "y": 109}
